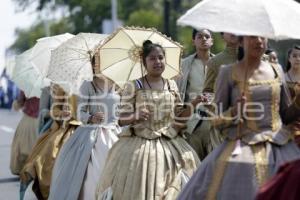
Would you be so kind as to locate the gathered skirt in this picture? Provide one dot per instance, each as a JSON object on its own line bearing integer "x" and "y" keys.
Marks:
{"x": 234, "y": 171}
{"x": 39, "y": 164}
{"x": 81, "y": 161}
{"x": 24, "y": 139}
{"x": 147, "y": 169}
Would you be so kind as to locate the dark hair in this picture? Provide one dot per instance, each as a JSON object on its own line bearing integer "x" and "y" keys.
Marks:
{"x": 93, "y": 62}
{"x": 195, "y": 31}
{"x": 288, "y": 64}
{"x": 148, "y": 46}
{"x": 269, "y": 50}
{"x": 241, "y": 51}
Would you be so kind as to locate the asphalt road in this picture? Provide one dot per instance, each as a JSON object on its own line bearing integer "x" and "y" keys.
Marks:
{"x": 9, "y": 184}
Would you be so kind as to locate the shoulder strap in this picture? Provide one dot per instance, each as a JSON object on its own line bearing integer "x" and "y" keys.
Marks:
{"x": 277, "y": 70}
{"x": 139, "y": 83}
{"x": 94, "y": 87}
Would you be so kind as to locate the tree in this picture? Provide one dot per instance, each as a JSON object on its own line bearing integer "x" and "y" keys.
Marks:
{"x": 145, "y": 18}
{"x": 27, "y": 37}
{"x": 87, "y": 16}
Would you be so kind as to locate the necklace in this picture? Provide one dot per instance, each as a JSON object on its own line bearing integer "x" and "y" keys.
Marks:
{"x": 150, "y": 85}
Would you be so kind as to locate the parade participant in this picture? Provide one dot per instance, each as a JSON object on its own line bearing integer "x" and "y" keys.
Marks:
{"x": 228, "y": 56}
{"x": 254, "y": 107}
{"x": 292, "y": 77}
{"x": 190, "y": 84}
{"x": 26, "y": 132}
{"x": 45, "y": 119}
{"x": 82, "y": 157}
{"x": 272, "y": 56}
{"x": 151, "y": 160}
{"x": 40, "y": 162}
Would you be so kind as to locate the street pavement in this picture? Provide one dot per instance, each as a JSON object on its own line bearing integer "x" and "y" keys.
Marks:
{"x": 9, "y": 183}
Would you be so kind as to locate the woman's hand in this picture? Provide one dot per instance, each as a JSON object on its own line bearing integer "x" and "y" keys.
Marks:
{"x": 65, "y": 114}
{"x": 97, "y": 118}
{"x": 142, "y": 115}
{"x": 178, "y": 126}
{"x": 199, "y": 99}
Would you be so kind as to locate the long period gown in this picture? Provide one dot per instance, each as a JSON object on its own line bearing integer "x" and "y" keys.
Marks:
{"x": 82, "y": 157}
{"x": 40, "y": 162}
{"x": 150, "y": 160}
{"x": 237, "y": 168}
{"x": 26, "y": 133}
{"x": 292, "y": 85}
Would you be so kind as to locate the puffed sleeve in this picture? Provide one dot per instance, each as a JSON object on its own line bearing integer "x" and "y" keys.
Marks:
{"x": 223, "y": 89}
{"x": 84, "y": 102}
{"x": 179, "y": 105}
{"x": 58, "y": 96}
{"x": 127, "y": 104}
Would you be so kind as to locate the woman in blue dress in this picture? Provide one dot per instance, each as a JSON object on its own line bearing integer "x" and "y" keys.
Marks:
{"x": 78, "y": 167}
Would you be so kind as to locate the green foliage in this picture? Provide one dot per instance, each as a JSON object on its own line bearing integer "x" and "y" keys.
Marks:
{"x": 127, "y": 7}
{"x": 87, "y": 16}
{"x": 219, "y": 44}
{"x": 27, "y": 37}
{"x": 145, "y": 18}
{"x": 185, "y": 39}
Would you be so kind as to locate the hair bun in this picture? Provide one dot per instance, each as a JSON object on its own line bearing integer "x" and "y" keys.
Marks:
{"x": 146, "y": 43}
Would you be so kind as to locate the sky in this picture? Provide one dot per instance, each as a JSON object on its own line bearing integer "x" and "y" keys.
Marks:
{"x": 9, "y": 20}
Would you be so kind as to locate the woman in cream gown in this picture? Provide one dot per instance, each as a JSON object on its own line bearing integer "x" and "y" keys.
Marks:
{"x": 151, "y": 160}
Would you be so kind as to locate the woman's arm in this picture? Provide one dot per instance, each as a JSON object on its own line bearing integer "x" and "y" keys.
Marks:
{"x": 59, "y": 99}
{"x": 127, "y": 105}
{"x": 84, "y": 101}
{"x": 225, "y": 115}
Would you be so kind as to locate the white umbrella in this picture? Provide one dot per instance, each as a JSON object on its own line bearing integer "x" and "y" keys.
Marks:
{"x": 120, "y": 58}
{"x": 276, "y": 19}
{"x": 70, "y": 63}
{"x": 26, "y": 76}
{"x": 41, "y": 51}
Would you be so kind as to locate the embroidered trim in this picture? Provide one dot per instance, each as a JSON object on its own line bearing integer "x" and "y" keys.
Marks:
{"x": 260, "y": 162}
{"x": 219, "y": 171}
{"x": 251, "y": 124}
{"x": 275, "y": 109}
